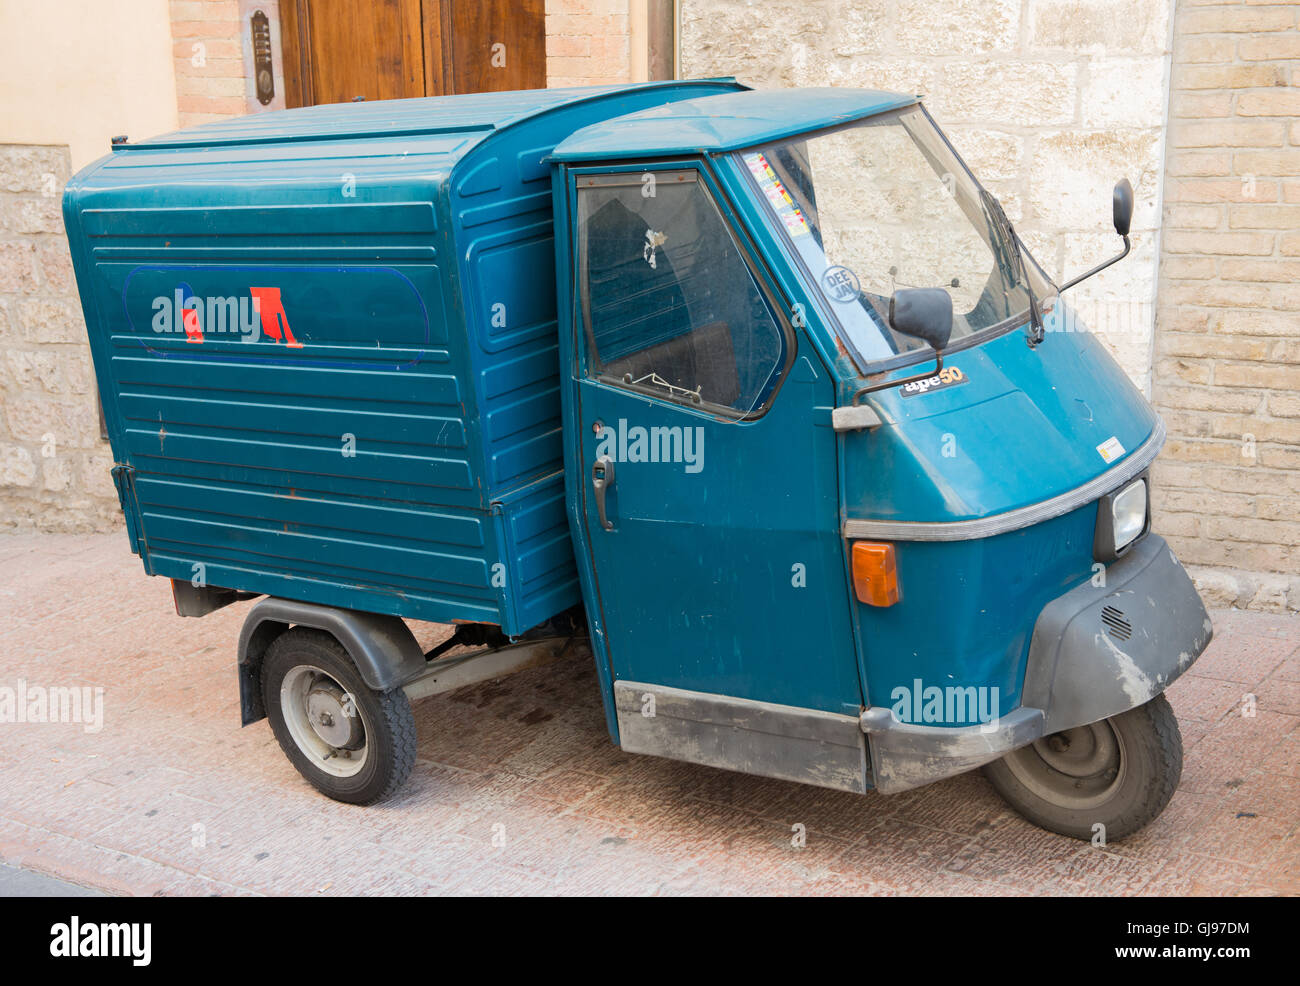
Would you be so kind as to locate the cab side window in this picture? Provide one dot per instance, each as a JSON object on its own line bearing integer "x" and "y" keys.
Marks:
{"x": 669, "y": 303}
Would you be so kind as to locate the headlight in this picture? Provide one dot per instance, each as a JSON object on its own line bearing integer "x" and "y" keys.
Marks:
{"x": 1129, "y": 510}
{"x": 1121, "y": 519}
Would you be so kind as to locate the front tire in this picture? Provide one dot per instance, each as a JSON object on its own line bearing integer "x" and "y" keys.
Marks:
{"x": 351, "y": 743}
{"x": 1119, "y": 773}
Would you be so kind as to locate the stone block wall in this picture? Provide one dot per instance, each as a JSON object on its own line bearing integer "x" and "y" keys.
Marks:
{"x": 54, "y": 466}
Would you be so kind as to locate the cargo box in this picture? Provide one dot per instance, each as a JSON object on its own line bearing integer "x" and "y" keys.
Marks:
{"x": 325, "y": 342}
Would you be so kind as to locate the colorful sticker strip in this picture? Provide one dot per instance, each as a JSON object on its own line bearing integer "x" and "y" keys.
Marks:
{"x": 774, "y": 189}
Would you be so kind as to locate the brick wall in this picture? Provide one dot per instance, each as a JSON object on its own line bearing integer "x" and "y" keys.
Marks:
{"x": 1227, "y": 368}
{"x": 209, "y": 60}
{"x": 54, "y": 467}
{"x": 587, "y": 42}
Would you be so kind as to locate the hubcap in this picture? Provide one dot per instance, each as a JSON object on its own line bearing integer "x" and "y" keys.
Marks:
{"x": 1080, "y": 752}
{"x": 333, "y": 717}
{"x": 1075, "y": 768}
{"x": 324, "y": 721}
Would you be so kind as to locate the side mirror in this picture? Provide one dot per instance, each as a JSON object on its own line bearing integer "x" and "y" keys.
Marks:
{"x": 1123, "y": 206}
{"x": 924, "y": 313}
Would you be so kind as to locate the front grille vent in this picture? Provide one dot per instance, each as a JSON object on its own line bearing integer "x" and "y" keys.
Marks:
{"x": 1116, "y": 623}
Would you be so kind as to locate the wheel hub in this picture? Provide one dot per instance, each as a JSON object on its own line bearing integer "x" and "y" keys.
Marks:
{"x": 324, "y": 721}
{"x": 1082, "y": 752}
{"x": 1077, "y": 768}
{"x": 333, "y": 717}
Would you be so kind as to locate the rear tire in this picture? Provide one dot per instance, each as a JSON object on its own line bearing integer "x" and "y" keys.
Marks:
{"x": 351, "y": 743}
{"x": 1119, "y": 772}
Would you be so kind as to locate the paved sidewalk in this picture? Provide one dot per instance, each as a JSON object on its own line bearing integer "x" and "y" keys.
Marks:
{"x": 171, "y": 796}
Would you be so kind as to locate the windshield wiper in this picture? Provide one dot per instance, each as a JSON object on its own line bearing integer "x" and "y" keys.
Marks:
{"x": 1017, "y": 267}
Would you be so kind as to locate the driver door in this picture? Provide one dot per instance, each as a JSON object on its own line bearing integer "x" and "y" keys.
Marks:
{"x": 708, "y": 492}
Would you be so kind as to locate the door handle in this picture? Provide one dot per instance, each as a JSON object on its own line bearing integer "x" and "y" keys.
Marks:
{"x": 602, "y": 478}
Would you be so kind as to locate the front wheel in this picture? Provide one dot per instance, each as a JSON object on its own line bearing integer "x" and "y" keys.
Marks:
{"x": 1118, "y": 773}
{"x": 353, "y": 744}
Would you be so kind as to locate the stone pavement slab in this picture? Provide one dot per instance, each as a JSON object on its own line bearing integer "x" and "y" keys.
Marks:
{"x": 518, "y": 789}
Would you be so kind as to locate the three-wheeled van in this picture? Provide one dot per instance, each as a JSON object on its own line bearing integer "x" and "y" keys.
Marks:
{"x": 756, "y": 394}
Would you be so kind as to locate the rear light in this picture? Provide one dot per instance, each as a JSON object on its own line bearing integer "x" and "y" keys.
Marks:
{"x": 875, "y": 573}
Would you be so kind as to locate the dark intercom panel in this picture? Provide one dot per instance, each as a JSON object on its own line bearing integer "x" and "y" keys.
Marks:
{"x": 263, "y": 77}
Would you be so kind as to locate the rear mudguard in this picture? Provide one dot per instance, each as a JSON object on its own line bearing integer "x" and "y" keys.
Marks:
{"x": 1096, "y": 651}
{"x": 382, "y": 647}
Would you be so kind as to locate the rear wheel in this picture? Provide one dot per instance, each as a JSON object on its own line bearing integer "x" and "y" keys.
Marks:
{"x": 1119, "y": 773}
{"x": 351, "y": 743}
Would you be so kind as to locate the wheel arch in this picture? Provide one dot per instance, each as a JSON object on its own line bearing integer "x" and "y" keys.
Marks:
{"x": 382, "y": 647}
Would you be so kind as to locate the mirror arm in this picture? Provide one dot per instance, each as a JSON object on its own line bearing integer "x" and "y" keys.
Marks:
{"x": 1100, "y": 267}
{"x": 938, "y": 365}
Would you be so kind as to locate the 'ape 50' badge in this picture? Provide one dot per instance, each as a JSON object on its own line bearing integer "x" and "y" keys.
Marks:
{"x": 949, "y": 376}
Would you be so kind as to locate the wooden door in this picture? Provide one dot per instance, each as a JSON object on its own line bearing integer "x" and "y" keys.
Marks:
{"x": 338, "y": 50}
{"x": 342, "y": 49}
{"x": 486, "y": 45}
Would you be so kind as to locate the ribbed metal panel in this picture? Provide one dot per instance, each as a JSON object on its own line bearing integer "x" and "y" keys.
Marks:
{"x": 389, "y": 443}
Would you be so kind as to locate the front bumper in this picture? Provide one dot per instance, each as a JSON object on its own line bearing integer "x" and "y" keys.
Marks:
{"x": 1096, "y": 651}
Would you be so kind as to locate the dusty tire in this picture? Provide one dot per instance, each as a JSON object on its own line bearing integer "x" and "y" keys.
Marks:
{"x": 351, "y": 743}
{"x": 1120, "y": 772}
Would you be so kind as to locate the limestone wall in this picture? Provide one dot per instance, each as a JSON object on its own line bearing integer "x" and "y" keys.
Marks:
{"x": 54, "y": 466}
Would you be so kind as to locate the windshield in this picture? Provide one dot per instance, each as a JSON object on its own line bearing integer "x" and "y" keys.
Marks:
{"x": 885, "y": 204}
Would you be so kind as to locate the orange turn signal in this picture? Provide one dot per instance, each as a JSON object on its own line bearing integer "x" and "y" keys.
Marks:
{"x": 875, "y": 573}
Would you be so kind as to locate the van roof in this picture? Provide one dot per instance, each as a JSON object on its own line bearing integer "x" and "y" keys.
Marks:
{"x": 469, "y": 114}
{"x": 725, "y": 122}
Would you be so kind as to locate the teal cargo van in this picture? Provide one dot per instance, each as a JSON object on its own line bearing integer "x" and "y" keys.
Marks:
{"x": 754, "y": 395}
